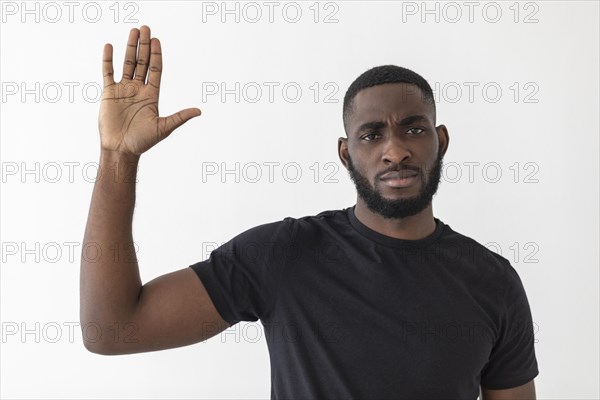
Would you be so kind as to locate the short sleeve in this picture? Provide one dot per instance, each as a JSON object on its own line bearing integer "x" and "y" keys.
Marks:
{"x": 242, "y": 276}
{"x": 512, "y": 361}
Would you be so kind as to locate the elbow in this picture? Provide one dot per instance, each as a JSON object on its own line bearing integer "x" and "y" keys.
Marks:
{"x": 102, "y": 349}
{"x": 98, "y": 348}
{"x": 95, "y": 342}
{"x": 106, "y": 343}
{"x": 93, "y": 348}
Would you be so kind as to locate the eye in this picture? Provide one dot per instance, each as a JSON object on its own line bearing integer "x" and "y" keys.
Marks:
{"x": 418, "y": 129}
{"x": 369, "y": 135}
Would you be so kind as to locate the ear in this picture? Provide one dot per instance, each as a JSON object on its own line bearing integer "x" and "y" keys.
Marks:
{"x": 343, "y": 151}
{"x": 443, "y": 138}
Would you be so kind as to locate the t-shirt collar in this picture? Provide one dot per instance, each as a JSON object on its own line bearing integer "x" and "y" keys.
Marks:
{"x": 390, "y": 241}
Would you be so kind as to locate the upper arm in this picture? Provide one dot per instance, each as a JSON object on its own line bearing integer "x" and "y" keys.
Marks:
{"x": 512, "y": 360}
{"x": 173, "y": 310}
{"x": 523, "y": 392}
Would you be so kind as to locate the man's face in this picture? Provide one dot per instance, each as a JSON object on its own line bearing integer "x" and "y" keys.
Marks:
{"x": 391, "y": 131}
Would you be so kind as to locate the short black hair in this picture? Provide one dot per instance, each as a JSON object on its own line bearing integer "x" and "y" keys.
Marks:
{"x": 385, "y": 74}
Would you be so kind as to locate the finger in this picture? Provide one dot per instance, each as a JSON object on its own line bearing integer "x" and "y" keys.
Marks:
{"x": 107, "y": 65}
{"x": 174, "y": 121}
{"x": 155, "y": 64}
{"x": 130, "y": 53}
{"x": 143, "y": 54}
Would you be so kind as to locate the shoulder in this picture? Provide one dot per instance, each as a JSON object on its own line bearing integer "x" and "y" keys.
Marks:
{"x": 490, "y": 276}
{"x": 459, "y": 243}
{"x": 486, "y": 265}
{"x": 291, "y": 228}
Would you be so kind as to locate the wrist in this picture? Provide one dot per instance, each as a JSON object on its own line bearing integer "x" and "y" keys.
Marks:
{"x": 118, "y": 166}
{"x": 116, "y": 156}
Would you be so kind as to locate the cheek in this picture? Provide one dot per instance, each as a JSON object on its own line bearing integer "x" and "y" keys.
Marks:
{"x": 435, "y": 146}
{"x": 363, "y": 165}
{"x": 428, "y": 154}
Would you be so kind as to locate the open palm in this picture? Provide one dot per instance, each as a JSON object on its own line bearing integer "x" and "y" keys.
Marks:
{"x": 129, "y": 121}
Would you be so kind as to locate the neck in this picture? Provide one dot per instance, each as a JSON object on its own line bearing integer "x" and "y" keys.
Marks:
{"x": 415, "y": 227}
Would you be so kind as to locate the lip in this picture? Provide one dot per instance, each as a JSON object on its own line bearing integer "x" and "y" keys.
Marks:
{"x": 399, "y": 179}
{"x": 399, "y": 182}
{"x": 398, "y": 175}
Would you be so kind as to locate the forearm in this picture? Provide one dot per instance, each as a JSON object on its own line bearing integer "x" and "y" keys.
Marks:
{"x": 110, "y": 278}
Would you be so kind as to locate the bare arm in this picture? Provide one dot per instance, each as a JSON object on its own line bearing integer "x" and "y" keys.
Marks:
{"x": 523, "y": 392}
{"x": 119, "y": 315}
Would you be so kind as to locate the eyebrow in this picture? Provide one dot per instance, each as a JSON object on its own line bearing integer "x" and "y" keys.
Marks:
{"x": 380, "y": 124}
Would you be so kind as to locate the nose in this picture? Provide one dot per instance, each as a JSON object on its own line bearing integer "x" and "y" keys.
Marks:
{"x": 395, "y": 151}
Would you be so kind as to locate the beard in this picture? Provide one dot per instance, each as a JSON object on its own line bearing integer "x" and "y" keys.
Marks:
{"x": 398, "y": 208}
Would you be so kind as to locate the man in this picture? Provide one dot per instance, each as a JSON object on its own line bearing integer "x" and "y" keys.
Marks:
{"x": 379, "y": 301}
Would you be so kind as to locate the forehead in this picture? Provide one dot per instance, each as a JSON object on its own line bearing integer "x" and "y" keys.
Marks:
{"x": 390, "y": 100}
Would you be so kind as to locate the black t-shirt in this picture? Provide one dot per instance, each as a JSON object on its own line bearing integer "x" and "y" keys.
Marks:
{"x": 349, "y": 313}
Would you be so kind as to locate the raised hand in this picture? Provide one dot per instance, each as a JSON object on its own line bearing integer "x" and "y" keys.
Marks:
{"x": 129, "y": 121}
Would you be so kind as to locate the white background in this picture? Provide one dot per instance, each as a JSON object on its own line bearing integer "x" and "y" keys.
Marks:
{"x": 548, "y": 212}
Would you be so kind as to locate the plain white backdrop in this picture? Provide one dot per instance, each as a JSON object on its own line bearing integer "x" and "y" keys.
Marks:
{"x": 516, "y": 84}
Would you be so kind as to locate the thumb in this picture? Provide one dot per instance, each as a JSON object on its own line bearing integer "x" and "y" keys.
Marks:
{"x": 174, "y": 121}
